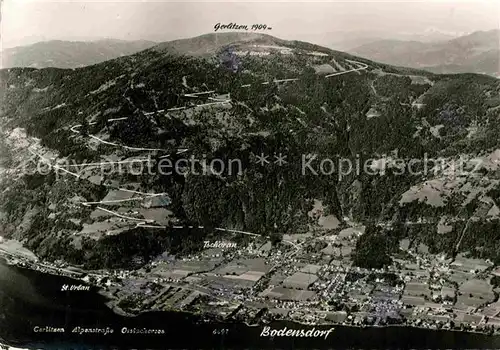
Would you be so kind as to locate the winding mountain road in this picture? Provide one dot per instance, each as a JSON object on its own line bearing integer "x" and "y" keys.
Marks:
{"x": 143, "y": 195}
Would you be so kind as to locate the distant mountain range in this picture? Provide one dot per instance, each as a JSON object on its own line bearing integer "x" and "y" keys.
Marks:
{"x": 70, "y": 54}
{"x": 348, "y": 40}
{"x": 433, "y": 50}
{"x": 478, "y": 52}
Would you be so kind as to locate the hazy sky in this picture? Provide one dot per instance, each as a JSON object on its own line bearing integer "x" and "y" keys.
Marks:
{"x": 25, "y": 21}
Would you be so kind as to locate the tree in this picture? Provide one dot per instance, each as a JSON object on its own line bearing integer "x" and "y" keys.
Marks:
{"x": 495, "y": 281}
{"x": 84, "y": 128}
{"x": 275, "y": 238}
{"x": 202, "y": 199}
{"x": 373, "y": 249}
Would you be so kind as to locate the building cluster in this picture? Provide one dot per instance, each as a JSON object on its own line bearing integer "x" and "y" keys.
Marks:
{"x": 310, "y": 278}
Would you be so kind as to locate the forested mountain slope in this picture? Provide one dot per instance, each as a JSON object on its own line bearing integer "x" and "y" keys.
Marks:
{"x": 329, "y": 104}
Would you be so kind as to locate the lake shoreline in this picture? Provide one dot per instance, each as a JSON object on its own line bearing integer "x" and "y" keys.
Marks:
{"x": 110, "y": 303}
